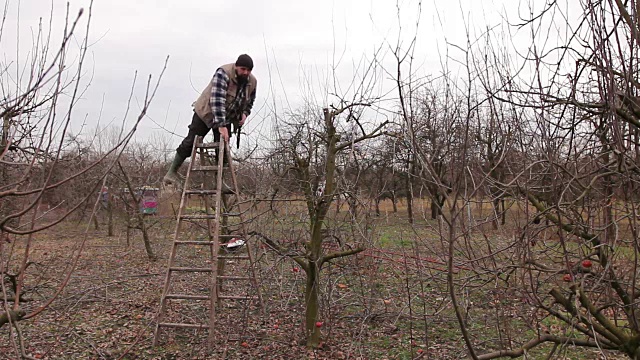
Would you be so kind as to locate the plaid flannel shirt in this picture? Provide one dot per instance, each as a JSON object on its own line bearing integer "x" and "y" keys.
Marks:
{"x": 224, "y": 114}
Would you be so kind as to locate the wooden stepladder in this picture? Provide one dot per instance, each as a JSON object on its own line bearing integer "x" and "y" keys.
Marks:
{"x": 209, "y": 219}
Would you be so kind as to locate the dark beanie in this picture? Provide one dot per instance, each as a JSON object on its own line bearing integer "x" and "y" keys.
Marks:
{"x": 245, "y": 60}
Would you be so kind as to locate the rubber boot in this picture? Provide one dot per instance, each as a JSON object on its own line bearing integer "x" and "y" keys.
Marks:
{"x": 172, "y": 176}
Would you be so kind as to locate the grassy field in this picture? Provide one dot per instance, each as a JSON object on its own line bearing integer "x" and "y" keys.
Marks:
{"x": 391, "y": 301}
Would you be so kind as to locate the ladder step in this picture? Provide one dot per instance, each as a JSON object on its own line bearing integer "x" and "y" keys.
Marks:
{"x": 190, "y": 269}
{"x": 198, "y": 217}
{"x": 233, "y": 297}
{"x": 201, "y": 192}
{"x": 227, "y": 257}
{"x": 211, "y": 145}
{"x": 204, "y": 168}
{"x": 231, "y": 214}
{"x": 231, "y": 236}
{"x": 187, "y": 297}
{"x": 180, "y": 242}
{"x": 234, "y": 278}
{"x": 177, "y": 325}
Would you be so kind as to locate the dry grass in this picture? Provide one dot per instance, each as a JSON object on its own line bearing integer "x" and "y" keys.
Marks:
{"x": 390, "y": 302}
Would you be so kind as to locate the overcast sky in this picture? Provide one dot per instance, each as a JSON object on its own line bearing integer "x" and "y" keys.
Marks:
{"x": 286, "y": 38}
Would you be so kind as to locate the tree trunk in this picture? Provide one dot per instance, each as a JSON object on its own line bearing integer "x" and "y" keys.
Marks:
{"x": 435, "y": 211}
{"x": 5, "y": 132}
{"x": 317, "y": 215}
{"x": 145, "y": 238}
{"x": 409, "y": 199}
{"x": 311, "y": 300}
{"x": 128, "y": 231}
{"x": 353, "y": 206}
{"x": 609, "y": 232}
{"x": 110, "y": 231}
{"x": 437, "y": 202}
{"x": 394, "y": 202}
{"x": 496, "y": 212}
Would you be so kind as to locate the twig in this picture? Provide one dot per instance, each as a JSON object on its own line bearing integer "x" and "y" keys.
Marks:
{"x": 90, "y": 344}
{"x": 23, "y": 353}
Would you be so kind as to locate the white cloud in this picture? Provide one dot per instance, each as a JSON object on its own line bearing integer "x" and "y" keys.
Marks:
{"x": 200, "y": 35}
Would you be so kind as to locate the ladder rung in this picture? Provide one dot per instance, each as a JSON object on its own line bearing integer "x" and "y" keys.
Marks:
{"x": 227, "y": 257}
{"x": 231, "y": 236}
{"x": 234, "y": 297}
{"x": 231, "y": 214}
{"x": 211, "y": 145}
{"x": 187, "y": 297}
{"x": 234, "y": 278}
{"x": 190, "y": 269}
{"x": 201, "y": 192}
{"x": 198, "y": 217}
{"x": 181, "y": 242}
{"x": 204, "y": 168}
{"x": 177, "y": 325}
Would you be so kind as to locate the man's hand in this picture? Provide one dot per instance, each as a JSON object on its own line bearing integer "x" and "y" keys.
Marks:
{"x": 244, "y": 118}
{"x": 224, "y": 133}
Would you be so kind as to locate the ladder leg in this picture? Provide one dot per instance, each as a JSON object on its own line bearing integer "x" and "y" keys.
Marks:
{"x": 214, "y": 231}
{"x": 243, "y": 229}
{"x": 172, "y": 256}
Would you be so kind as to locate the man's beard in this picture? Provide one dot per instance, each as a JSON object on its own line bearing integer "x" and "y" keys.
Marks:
{"x": 242, "y": 79}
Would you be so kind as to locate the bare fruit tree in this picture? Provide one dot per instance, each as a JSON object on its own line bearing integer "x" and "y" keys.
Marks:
{"x": 573, "y": 159}
{"x": 40, "y": 160}
{"x": 313, "y": 146}
{"x": 554, "y": 137}
{"x": 568, "y": 115}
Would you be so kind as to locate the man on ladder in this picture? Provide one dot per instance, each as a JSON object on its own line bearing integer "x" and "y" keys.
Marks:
{"x": 226, "y": 101}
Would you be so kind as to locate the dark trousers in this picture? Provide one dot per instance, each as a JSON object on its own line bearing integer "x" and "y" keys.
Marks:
{"x": 197, "y": 127}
